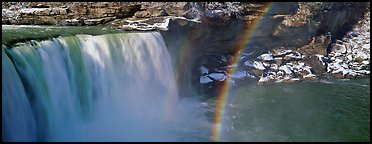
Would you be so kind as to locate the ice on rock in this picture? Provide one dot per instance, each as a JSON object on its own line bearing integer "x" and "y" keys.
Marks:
{"x": 258, "y": 65}
{"x": 366, "y": 46}
{"x": 362, "y": 55}
{"x": 239, "y": 74}
{"x": 309, "y": 75}
{"x": 286, "y": 69}
{"x": 266, "y": 57}
{"x": 218, "y": 76}
{"x": 249, "y": 63}
{"x": 322, "y": 58}
{"x": 263, "y": 79}
{"x": 203, "y": 70}
{"x": 205, "y": 79}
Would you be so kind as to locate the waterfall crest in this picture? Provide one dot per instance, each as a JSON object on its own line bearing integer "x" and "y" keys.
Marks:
{"x": 113, "y": 87}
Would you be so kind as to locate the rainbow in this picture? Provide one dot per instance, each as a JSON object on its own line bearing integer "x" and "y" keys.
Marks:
{"x": 223, "y": 94}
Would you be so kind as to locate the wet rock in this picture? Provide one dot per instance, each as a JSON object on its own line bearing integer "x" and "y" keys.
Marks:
{"x": 263, "y": 80}
{"x": 291, "y": 80}
{"x": 340, "y": 70}
{"x": 310, "y": 77}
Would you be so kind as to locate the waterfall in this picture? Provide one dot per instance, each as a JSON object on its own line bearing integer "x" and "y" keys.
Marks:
{"x": 113, "y": 87}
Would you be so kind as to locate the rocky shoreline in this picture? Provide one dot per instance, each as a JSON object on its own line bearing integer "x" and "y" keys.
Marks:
{"x": 346, "y": 58}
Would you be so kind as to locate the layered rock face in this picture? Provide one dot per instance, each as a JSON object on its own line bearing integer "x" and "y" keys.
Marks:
{"x": 70, "y": 13}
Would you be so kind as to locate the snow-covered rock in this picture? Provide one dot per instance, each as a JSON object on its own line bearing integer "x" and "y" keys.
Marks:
{"x": 239, "y": 74}
{"x": 263, "y": 79}
{"x": 366, "y": 46}
{"x": 309, "y": 77}
{"x": 218, "y": 76}
{"x": 249, "y": 63}
{"x": 203, "y": 70}
{"x": 205, "y": 79}
{"x": 286, "y": 69}
{"x": 258, "y": 65}
{"x": 293, "y": 56}
{"x": 359, "y": 56}
{"x": 322, "y": 58}
{"x": 339, "y": 48}
{"x": 266, "y": 57}
{"x": 280, "y": 52}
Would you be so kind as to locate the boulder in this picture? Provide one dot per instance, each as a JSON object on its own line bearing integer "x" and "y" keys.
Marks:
{"x": 257, "y": 72}
{"x": 360, "y": 56}
{"x": 315, "y": 64}
{"x": 278, "y": 52}
{"x": 258, "y": 65}
{"x": 366, "y": 46}
{"x": 266, "y": 57}
{"x": 217, "y": 76}
{"x": 263, "y": 79}
{"x": 309, "y": 76}
{"x": 142, "y": 14}
{"x": 239, "y": 74}
{"x": 287, "y": 69}
{"x": 203, "y": 70}
{"x": 205, "y": 79}
{"x": 293, "y": 56}
{"x": 339, "y": 48}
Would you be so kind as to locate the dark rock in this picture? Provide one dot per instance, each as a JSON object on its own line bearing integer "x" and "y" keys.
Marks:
{"x": 341, "y": 18}
{"x": 339, "y": 48}
{"x": 317, "y": 65}
{"x": 318, "y": 45}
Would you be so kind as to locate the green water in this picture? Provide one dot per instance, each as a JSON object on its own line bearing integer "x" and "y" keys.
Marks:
{"x": 12, "y": 34}
{"x": 326, "y": 110}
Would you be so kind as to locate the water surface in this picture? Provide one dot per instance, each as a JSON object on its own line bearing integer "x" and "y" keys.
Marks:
{"x": 326, "y": 110}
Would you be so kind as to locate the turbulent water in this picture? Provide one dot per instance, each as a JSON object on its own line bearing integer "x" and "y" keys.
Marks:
{"x": 114, "y": 87}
